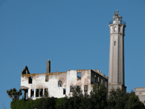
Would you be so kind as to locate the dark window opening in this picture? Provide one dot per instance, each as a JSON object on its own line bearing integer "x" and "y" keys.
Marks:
{"x": 25, "y": 93}
{"x": 103, "y": 81}
{"x": 79, "y": 75}
{"x": 64, "y": 91}
{"x": 37, "y": 92}
{"x": 71, "y": 88}
{"x": 59, "y": 83}
{"x": 41, "y": 92}
{"x": 46, "y": 78}
{"x": 119, "y": 28}
{"x": 96, "y": 79}
{"x": 32, "y": 92}
{"x": 115, "y": 28}
{"x": 30, "y": 80}
{"x": 114, "y": 42}
{"x": 85, "y": 88}
{"x": 46, "y": 92}
{"x": 78, "y": 88}
{"x": 92, "y": 82}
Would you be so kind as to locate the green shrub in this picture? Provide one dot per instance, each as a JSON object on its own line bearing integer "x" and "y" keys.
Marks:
{"x": 59, "y": 101}
{"x": 41, "y": 103}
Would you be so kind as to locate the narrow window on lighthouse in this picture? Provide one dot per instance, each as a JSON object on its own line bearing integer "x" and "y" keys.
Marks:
{"x": 115, "y": 28}
{"x": 114, "y": 42}
{"x": 119, "y": 28}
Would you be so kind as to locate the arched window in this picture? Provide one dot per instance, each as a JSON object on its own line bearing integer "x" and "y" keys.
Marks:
{"x": 59, "y": 83}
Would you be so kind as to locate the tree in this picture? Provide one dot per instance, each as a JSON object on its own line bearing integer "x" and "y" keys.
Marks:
{"x": 119, "y": 99}
{"x": 72, "y": 102}
{"x": 133, "y": 102}
{"x": 64, "y": 104}
{"x": 14, "y": 94}
{"x": 98, "y": 97}
{"x": 96, "y": 100}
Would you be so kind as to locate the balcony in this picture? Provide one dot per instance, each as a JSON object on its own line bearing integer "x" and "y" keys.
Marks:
{"x": 117, "y": 22}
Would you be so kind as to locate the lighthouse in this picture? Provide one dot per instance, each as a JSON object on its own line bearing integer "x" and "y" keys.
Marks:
{"x": 116, "y": 56}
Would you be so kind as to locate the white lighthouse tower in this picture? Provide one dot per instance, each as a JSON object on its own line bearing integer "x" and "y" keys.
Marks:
{"x": 116, "y": 59}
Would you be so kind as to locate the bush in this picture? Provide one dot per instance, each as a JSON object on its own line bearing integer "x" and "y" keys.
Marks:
{"x": 41, "y": 103}
{"x": 59, "y": 101}
{"x": 119, "y": 99}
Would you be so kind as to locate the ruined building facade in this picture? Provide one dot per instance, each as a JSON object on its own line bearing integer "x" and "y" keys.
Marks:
{"x": 59, "y": 84}
{"x": 140, "y": 92}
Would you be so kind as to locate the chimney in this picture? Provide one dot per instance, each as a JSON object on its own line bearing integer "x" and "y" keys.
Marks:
{"x": 48, "y": 66}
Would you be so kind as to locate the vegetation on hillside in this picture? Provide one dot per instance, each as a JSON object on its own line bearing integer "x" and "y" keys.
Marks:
{"x": 118, "y": 99}
{"x": 14, "y": 94}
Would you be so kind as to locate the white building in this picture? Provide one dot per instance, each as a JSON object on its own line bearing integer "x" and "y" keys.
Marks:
{"x": 140, "y": 92}
{"x": 59, "y": 84}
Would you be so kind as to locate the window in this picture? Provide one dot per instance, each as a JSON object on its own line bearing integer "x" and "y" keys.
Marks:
{"x": 37, "y": 92}
{"x": 105, "y": 84}
{"x": 59, "y": 83}
{"x": 46, "y": 92}
{"x": 25, "y": 93}
{"x": 79, "y": 75}
{"x": 78, "y": 88}
{"x": 115, "y": 28}
{"x": 92, "y": 82}
{"x": 71, "y": 88}
{"x": 96, "y": 79}
{"x": 46, "y": 78}
{"x": 114, "y": 42}
{"x": 64, "y": 91}
{"x": 30, "y": 80}
{"x": 41, "y": 92}
{"x": 85, "y": 88}
{"x": 103, "y": 81}
{"x": 32, "y": 92}
{"x": 119, "y": 28}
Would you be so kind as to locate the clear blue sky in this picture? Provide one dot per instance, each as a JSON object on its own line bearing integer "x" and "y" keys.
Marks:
{"x": 73, "y": 34}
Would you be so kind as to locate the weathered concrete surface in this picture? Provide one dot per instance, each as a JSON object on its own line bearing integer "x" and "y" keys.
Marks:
{"x": 66, "y": 79}
{"x": 140, "y": 92}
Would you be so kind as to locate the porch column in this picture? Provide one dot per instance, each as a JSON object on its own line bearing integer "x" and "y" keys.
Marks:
{"x": 29, "y": 93}
{"x": 43, "y": 91}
